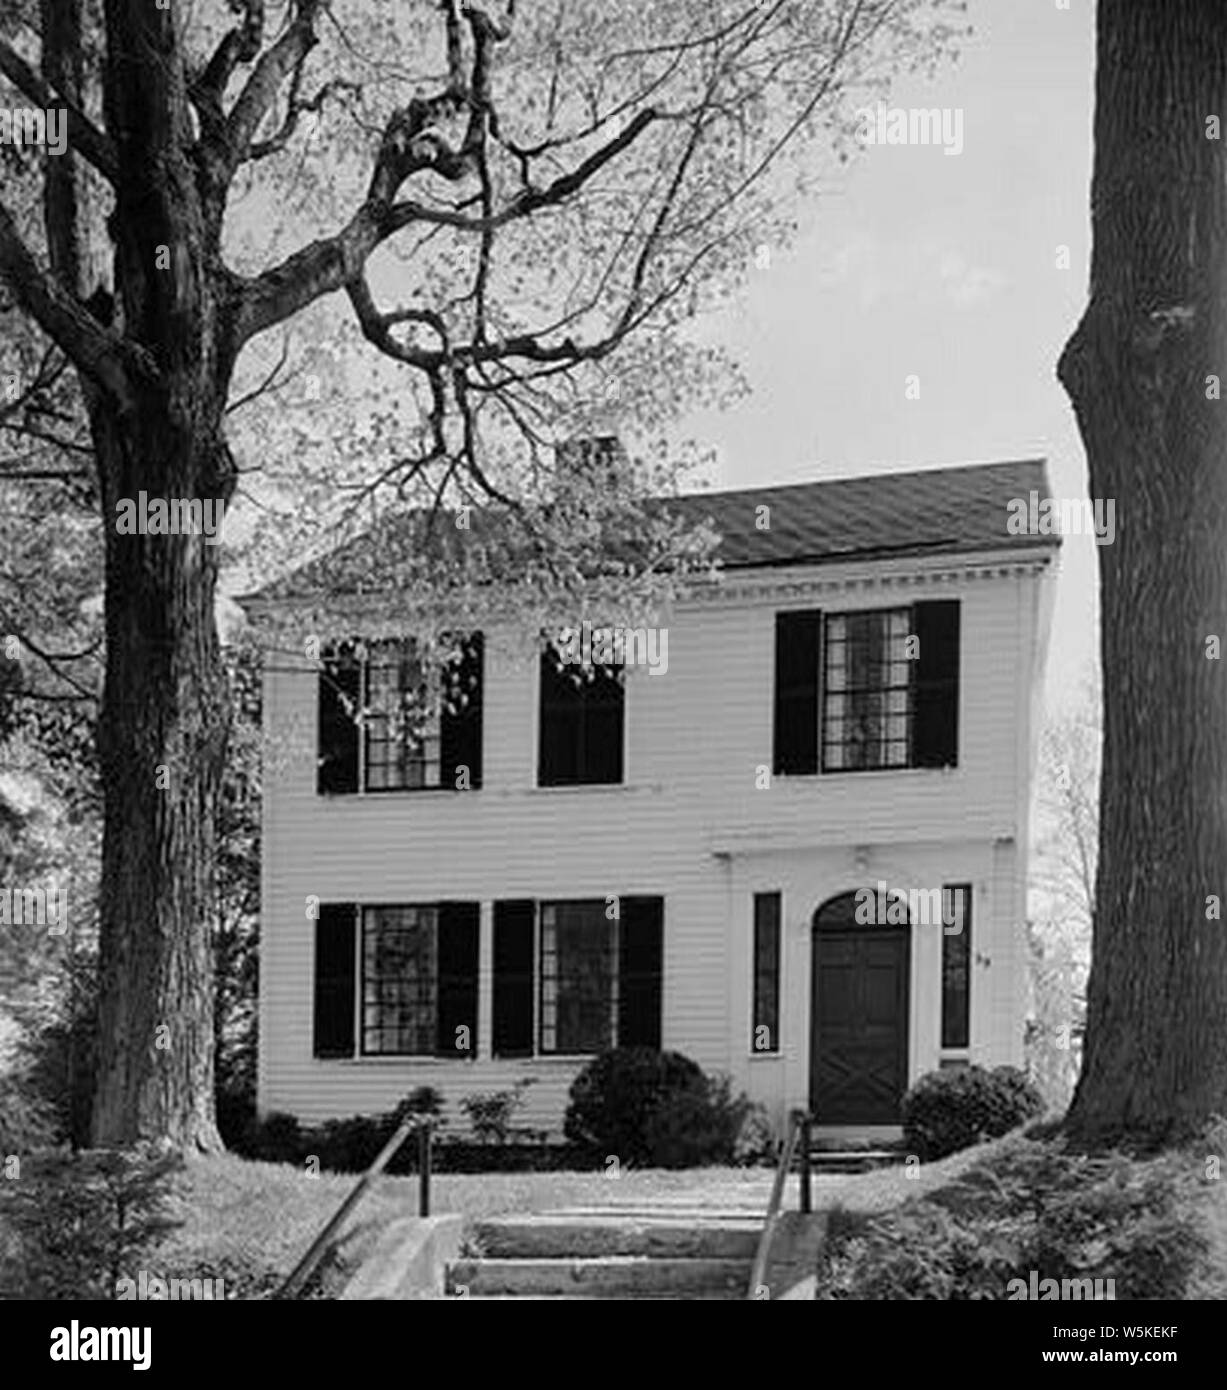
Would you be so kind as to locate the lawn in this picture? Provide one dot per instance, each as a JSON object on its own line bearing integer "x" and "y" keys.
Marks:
{"x": 249, "y": 1222}
{"x": 255, "y": 1220}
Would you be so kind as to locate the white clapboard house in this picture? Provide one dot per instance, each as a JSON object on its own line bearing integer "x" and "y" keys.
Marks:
{"x": 797, "y": 855}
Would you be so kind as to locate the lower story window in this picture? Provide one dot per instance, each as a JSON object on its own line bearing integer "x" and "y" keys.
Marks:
{"x": 765, "y": 1025}
{"x": 601, "y": 974}
{"x": 579, "y": 978}
{"x": 399, "y": 980}
{"x": 419, "y": 980}
{"x": 956, "y": 966}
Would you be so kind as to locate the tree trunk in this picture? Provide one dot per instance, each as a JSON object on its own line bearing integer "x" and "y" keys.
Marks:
{"x": 164, "y": 719}
{"x": 1136, "y": 370}
{"x": 162, "y": 742}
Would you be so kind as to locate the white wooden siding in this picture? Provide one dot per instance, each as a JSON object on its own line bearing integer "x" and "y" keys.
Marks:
{"x": 689, "y": 825}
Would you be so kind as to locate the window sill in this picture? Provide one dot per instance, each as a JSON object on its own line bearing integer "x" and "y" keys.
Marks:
{"x": 383, "y": 795}
{"x": 609, "y": 789}
{"x": 835, "y": 772}
{"x": 427, "y": 1059}
{"x": 777, "y": 1056}
{"x": 604, "y": 788}
{"x": 417, "y": 1058}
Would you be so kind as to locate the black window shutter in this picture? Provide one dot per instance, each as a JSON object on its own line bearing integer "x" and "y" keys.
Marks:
{"x": 798, "y": 647}
{"x": 558, "y": 749}
{"x": 640, "y": 971}
{"x": 460, "y": 732}
{"x": 513, "y": 979}
{"x": 333, "y": 1034}
{"x": 935, "y": 685}
{"x": 459, "y": 935}
{"x": 337, "y": 742}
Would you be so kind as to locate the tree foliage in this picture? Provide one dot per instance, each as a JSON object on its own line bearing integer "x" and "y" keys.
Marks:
{"x": 520, "y": 209}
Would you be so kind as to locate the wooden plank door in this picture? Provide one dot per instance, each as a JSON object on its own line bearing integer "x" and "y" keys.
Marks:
{"x": 858, "y": 1030}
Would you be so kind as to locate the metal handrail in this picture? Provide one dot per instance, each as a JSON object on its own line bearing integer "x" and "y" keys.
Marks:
{"x": 799, "y": 1122}
{"x": 306, "y": 1267}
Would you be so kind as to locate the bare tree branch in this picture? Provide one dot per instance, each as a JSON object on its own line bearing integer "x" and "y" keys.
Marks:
{"x": 276, "y": 66}
{"x": 331, "y": 263}
{"x": 100, "y": 354}
{"x": 63, "y": 66}
{"x": 83, "y": 135}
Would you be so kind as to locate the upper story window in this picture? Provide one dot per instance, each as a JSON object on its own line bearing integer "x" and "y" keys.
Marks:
{"x": 866, "y": 705}
{"x": 402, "y": 721}
{"x": 867, "y": 690}
{"x": 388, "y": 723}
{"x": 581, "y": 723}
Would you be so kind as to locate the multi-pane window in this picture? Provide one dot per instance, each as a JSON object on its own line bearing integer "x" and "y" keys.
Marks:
{"x": 866, "y": 711}
{"x": 400, "y": 968}
{"x": 866, "y": 691}
{"x": 765, "y": 1033}
{"x": 579, "y": 977}
{"x": 419, "y": 980}
{"x": 956, "y": 966}
{"x": 402, "y": 979}
{"x": 421, "y": 722}
{"x": 402, "y": 720}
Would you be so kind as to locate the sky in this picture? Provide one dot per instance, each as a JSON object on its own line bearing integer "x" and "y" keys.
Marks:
{"x": 916, "y": 262}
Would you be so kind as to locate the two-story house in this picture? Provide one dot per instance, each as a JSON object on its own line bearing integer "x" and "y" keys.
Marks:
{"x": 796, "y": 855}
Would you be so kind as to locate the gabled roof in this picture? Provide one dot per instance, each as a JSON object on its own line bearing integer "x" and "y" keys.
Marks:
{"x": 936, "y": 511}
{"x": 931, "y": 512}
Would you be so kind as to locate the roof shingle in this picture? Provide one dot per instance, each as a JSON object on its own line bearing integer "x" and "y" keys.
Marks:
{"x": 936, "y": 511}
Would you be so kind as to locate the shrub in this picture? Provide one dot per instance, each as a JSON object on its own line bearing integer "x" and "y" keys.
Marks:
{"x": 756, "y": 1144}
{"x": 81, "y": 1221}
{"x": 277, "y": 1138}
{"x": 453, "y": 1155}
{"x": 243, "y": 1275}
{"x": 236, "y": 1119}
{"x": 342, "y": 1146}
{"x": 61, "y": 1055}
{"x": 687, "y": 1128}
{"x": 27, "y": 1121}
{"x": 657, "y": 1108}
{"x": 490, "y": 1113}
{"x": 951, "y": 1110}
{"x": 1030, "y": 1206}
{"x": 918, "y": 1252}
{"x": 425, "y": 1100}
{"x": 349, "y": 1145}
{"x": 612, "y": 1099}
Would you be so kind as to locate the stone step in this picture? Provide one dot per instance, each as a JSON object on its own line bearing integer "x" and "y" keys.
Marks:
{"x": 584, "y": 1237}
{"x": 713, "y": 1216}
{"x": 727, "y": 1296}
{"x": 824, "y": 1161}
{"x": 611, "y": 1277}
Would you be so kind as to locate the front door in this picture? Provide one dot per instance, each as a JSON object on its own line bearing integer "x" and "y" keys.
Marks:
{"x": 858, "y": 1032}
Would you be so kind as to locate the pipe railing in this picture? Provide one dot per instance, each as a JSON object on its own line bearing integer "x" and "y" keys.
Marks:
{"x": 306, "y": 1267}
{"x": 799, "y": 1131}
